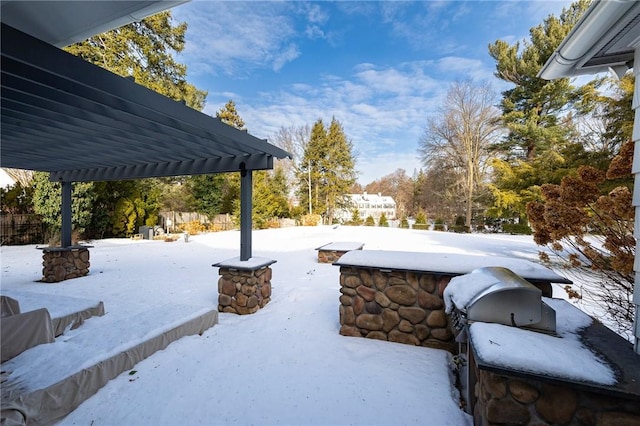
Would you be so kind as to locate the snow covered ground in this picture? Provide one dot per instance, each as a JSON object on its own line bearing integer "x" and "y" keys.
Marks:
{"x": 286, "y": 364}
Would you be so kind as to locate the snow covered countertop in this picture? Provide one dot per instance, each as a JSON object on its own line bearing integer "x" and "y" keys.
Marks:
{"x": 563, "y": 356}
{"x": 585, "y": 353}
{"x": 446, "y": 263}
{"x": 252, "y": 264}
{"x": 341, "y": 246}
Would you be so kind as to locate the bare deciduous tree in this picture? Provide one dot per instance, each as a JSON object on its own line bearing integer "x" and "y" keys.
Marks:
{"x": 23, "y": 177}
{"x": 293, "y": 139}
{"x": 458, "y": 137}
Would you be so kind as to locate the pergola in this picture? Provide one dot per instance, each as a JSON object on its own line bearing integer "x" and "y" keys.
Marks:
{"x": 607, "y": 37}
{"x": 63, "y": 115}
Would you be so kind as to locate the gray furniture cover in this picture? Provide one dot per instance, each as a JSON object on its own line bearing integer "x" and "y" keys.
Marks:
{"x": 21, "y": 331}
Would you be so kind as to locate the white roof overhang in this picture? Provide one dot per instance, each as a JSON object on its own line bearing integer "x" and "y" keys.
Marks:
{"x": 603, "y": 39}
{"x": 61, "y": 23}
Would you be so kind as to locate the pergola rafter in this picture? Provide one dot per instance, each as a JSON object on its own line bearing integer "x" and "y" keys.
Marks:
{"x": 63, "y": 115}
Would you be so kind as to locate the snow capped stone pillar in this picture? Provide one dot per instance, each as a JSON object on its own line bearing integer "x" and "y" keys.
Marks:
{"x": 244, "y": 287}
{"x": 636, "y": 198}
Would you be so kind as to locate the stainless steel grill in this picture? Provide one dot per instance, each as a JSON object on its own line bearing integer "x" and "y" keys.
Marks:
{"x": 506, "y": 299}
{"x": 510, "y": 300}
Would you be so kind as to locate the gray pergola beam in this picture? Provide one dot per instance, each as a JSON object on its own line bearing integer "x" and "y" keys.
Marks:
{"x": 246, "y": 207}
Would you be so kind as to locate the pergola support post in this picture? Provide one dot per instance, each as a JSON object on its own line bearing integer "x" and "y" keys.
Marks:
{"x": 246, "y": 194}
{"x": 65, "y": 238}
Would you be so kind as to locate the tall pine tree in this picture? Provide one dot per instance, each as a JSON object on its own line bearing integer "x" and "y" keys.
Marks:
{"x": 531, "y": 109}
{"x": 536, "y": 113}
{"x": 217, "y": 193}
{"x": 327, "y": 169}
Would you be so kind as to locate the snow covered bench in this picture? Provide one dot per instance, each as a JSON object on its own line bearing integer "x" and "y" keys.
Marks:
{"x": 331, "y": 252}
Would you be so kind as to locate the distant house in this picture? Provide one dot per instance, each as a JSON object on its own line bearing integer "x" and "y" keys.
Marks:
{"x": 373, "y": 205}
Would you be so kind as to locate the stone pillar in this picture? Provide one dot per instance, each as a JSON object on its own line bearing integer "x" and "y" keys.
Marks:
{"x": 64, "y": 263}
{"x": 244, "y": 287}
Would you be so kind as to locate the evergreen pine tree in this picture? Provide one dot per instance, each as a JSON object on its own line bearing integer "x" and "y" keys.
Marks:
{"x": 383, "y": 220}
{"x": 327, "y": 168}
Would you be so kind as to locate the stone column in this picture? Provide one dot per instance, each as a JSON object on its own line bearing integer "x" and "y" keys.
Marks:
{"x": 244, "y": 287}
{"x": 64, "y": 263}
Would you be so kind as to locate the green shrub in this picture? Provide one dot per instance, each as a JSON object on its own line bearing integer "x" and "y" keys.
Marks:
{"x": 421, "y": 226}
{"x": 421, "y": 217}
{"x": 439, "y": 225}
{"x": 355, "y": 218}
{"x": 404, "y": 223}
{"x": 516, "y": 229}
{"x": 369, "y": 221}
{"x": 461, "y": 229}
{"x": 383, "y": 220}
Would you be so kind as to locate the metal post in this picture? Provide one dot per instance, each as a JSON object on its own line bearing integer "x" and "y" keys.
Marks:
{"x": 67, "y": 188}
{"x": 245, "y": 212}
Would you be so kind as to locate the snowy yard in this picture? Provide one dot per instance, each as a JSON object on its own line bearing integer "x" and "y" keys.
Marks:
{"x": 286, "y": 364}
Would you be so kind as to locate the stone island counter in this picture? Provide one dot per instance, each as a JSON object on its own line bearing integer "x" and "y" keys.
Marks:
{"x": 585, "y": 374}
{"x": 398, "y": 296}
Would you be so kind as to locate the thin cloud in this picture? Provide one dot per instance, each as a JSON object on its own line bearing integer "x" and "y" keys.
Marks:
{"x": 246, "y": 50}
{"x": 234, "y": 38}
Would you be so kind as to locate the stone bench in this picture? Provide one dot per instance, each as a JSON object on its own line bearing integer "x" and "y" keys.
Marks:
{"x": 398, "y": 296}
{"x": 331, "y": 252}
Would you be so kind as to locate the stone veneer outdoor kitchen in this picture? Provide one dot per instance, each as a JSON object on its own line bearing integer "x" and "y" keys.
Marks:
{"x": 511, "y": 389}
{"x": 397, "y": 296}
{"x": 244, "y": 287}
{"x": 64, "y": 263}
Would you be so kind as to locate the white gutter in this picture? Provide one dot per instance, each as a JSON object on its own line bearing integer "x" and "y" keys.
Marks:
{"x": 586, "y": 38}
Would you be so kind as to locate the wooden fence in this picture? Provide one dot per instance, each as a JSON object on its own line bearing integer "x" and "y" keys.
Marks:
{"x": 20, "y": 229}
{"x": 221, "y": 222}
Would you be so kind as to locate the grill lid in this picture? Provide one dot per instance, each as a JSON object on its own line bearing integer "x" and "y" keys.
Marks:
{"x": 504, "y": 297}
{"x": 511, "y": 300}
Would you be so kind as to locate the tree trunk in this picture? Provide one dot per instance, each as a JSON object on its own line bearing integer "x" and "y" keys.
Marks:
{"x": 470, "y": 167}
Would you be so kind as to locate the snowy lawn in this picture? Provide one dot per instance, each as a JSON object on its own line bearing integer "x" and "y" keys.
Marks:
{"x": 286, "y": 364}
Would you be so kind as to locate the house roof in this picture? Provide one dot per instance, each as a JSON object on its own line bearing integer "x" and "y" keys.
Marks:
{"x": 372, "y": 198}
{"x": 601, "y": 40}
{"x": 63, "y": 115}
